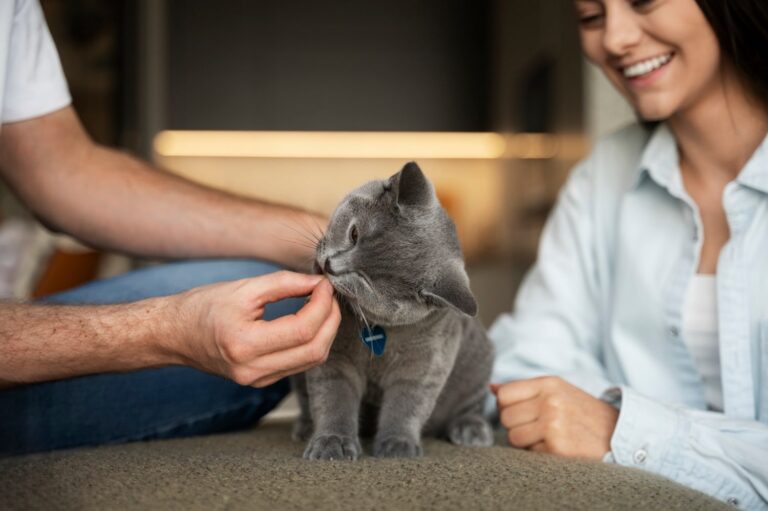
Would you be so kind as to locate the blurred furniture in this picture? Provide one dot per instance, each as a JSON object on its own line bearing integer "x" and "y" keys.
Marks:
{"x": 488, "y": 182}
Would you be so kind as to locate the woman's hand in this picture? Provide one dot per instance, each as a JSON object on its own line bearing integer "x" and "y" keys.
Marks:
{"x": 547, "y": 414}
{"x": 220, "y": 330}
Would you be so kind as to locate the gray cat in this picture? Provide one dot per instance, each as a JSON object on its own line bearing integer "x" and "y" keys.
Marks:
{"x": 392, "y": 255}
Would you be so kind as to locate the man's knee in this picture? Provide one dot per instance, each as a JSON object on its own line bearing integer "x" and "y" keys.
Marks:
{"x": 166, "y": 279}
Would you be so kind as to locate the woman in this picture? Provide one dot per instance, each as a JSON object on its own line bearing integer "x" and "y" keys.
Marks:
{"x": 648, "y": 306}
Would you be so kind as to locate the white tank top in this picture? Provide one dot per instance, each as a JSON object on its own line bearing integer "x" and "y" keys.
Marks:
{"x": 700, "y": 334}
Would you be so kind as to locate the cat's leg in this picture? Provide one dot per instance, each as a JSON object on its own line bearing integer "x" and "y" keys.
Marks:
{"x": 302, "y": 428}
{"x": 406, "y": 406}
{"x": 458, "y": 415}
{"x": 335, "y": 392}
{"x": 470, "y": 428}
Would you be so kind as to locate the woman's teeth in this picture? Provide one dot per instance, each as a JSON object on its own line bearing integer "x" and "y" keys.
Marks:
{"x": 646, "y": 66}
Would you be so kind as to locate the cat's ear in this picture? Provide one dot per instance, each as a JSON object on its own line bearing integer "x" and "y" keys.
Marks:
{"x": 412, "y": 187}
{"x": 452, "y": 289}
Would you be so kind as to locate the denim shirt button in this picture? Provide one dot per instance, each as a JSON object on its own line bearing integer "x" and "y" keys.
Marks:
{"x": 732, "y": 501}
{"x": 674, "y": 331}
{"x": 640, "y": 456}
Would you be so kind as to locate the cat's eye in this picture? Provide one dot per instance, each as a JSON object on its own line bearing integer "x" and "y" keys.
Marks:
{"x": 353, "y": 235}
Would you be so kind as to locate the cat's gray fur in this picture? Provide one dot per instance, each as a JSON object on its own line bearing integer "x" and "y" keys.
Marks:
{"x": 405, "y": 272}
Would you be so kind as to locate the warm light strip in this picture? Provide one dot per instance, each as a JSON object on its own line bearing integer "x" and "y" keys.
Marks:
{"x": 339, "y": 144}
{"x": 312, "y": 144}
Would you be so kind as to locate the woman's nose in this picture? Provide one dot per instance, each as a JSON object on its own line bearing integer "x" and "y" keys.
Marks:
{"x": 622, "y": 28}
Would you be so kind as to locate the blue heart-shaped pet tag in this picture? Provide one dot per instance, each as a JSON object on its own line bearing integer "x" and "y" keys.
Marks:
{"x": 375, "y": 339}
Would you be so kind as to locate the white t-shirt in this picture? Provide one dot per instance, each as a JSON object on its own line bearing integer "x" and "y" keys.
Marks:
{"x": 32, "y": 82}
{"x": 701, "y": 335}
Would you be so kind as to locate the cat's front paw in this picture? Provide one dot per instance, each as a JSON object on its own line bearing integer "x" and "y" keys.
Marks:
{"x": 471, "y": 431}
{"x": 396, "y": 447}
{"x": 332, "y": 447}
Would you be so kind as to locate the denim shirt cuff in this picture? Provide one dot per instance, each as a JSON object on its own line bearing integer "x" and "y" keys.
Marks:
{"x": 654, "y": 437}
{"x": 647, "y": 434}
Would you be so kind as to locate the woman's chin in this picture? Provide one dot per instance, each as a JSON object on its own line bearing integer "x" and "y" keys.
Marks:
{"x": 651, "y": 117}
{"x": 653, "y": 112}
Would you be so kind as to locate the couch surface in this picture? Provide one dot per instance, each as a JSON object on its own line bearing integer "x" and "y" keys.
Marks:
{"x": 263, "y": 469}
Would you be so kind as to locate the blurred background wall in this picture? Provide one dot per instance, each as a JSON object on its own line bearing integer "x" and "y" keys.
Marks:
{"x": 137, "y": 68}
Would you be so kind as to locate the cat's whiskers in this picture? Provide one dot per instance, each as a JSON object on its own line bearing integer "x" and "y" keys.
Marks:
{"x": 309, "y": 228}
{"x": 360, "y": 311}
{"x": 367, "y": 280}
{"x": 308, "y": 237}
{"x": 359, "y": 308}
{"x": 351, "y": 299}
{"x": 317, "y": 235}
{"x": 307, "y": 265}
{"x": 367, "y": 326}
{"x": 298, "y": 242}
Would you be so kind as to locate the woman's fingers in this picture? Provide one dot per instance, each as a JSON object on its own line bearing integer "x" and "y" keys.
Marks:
{"x": 516, "y": 391}
{"x": 520, "y": 413}
{"x": 526, "y": 435}
{"x": 522, "y": 424}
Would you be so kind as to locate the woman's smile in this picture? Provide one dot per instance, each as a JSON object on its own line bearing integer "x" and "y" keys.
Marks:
{"x": 645, "y": 66}
{"x": 661, "y": 54}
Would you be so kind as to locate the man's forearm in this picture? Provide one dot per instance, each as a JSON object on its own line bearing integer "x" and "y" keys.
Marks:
{"x": 48, "y": 342}
{"x": 112, "y": 200}
{"x": 141, "y": 210}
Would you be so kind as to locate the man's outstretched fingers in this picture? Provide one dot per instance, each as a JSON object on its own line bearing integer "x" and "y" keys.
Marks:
{"x": 297, "y": 329}
{"x": 305, "y": 356}
{"x": 285, "y": 284}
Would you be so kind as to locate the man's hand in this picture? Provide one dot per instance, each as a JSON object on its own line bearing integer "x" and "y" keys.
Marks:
{"x": 221, "y": 330}
{"x": 547, "y": 414}
{"x": 217, "y": 328}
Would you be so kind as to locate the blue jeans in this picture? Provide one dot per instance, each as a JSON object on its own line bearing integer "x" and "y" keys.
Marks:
{"x": 153, "y": 403}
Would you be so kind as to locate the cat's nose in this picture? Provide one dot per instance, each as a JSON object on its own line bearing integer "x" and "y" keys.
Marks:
{"x": 327, "y": 269}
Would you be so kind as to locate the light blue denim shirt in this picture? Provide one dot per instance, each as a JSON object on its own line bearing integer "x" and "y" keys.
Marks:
{"x": 602, "y": 308}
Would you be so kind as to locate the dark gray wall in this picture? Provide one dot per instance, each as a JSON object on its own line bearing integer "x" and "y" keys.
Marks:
{"x": 538, "y": 67}
{"x": 329, "y": 64}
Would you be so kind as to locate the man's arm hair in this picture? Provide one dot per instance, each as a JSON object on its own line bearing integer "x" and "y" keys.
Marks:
{"x": 49, "y": 342}
{"x": 109, "y": 199}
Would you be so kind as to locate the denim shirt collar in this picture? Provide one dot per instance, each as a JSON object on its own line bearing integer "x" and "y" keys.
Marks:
{"x": 660, "y": 161}
{"x": 755, "y": 172}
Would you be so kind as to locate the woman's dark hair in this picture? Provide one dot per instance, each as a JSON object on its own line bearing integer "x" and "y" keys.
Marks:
{"x": 741, "y": 28}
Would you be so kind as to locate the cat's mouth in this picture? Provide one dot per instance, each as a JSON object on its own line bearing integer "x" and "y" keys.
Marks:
{"x": 347, "y": 284}
{"x": 332, "y": 277}
{"x": 325, "y": 269}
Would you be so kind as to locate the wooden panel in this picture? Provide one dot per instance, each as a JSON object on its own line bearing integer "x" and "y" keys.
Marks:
{"x": 66, "y": 270}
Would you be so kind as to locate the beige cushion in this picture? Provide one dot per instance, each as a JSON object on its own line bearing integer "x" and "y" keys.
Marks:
{"x": 263, "y": 469}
